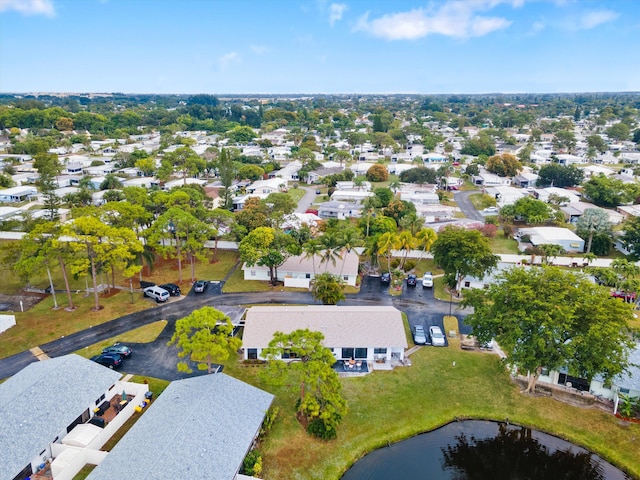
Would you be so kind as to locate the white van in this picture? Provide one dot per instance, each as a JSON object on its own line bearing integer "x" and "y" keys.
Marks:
{"x": 157, "y": 293}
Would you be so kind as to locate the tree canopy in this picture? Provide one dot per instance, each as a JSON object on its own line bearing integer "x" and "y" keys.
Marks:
{"x": 320, "y": 401}
{"x": 559, "y": 175}
{"x": 461, "y": 252}
{"x": 550, "y": 318}
{"x": 204, "y": 336}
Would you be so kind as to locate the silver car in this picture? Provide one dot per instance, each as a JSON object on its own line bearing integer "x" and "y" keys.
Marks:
{"x": 437, "y": 337}
{"x": 419, "y": 336}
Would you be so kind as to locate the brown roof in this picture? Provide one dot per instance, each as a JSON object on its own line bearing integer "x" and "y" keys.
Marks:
{"x": 341, "y": 326}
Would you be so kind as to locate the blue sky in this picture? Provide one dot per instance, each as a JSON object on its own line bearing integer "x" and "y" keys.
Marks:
{"x": 319, "y": 46}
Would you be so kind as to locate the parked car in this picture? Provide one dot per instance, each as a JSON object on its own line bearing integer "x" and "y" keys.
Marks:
{"x": 144, "y": 284}
{"x": 119, "y": 348}
{"x": 412, "y": 280}
{"x": 491, "y": 210}
{"x": 172, "y": 288}
{"x": 111, "y": 360}
{"x": 437, "y": 337}
{"x": 318, "y": 191}
{"x": 628, "y": 297}
{"x": 200, "y": 286}
{"x": 385, "y": 278}
{"x": 158, "y": 294}
{"x": 419, "y": 336}
{"x": 427, "y": 280}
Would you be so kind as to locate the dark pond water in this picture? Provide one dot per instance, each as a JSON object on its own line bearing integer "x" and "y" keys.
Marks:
{"x": 480, "y": 450}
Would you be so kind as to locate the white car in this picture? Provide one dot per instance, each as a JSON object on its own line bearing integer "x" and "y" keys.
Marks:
{"x": 437, "y": 337}
{"x": 160, "y": 295}
{"x": 427, "y": 280}
{"x": 491, "y": 210}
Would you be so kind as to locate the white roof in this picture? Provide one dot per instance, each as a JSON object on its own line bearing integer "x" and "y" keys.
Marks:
{"x": 341, "y": 326}
{"x": 545, "y": 234}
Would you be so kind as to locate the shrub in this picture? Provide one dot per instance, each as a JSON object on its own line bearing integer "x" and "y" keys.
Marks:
{"x": 395, "y": 263}
{"x": 319, "y": 429}
{"x": 252, "y": 463}
{"x": 507, "y": 229}
{"x": 409, "y": 265}
{"x": 377, "y": 173}
{"x": 488, "y": 230}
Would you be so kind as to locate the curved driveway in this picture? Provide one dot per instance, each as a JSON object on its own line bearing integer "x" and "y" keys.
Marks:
{"x": 158, "y": 360}
{"x": 465, "y": 205}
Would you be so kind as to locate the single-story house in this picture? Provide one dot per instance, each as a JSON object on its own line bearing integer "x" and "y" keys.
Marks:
{"x": 627, "y": 383}
{"x": 340, "y": 210}
{"x": 434, "y": 158}
{"x": 436, "y": 213}
{"x": 525, "y": 180}
{"x": 200, "y": 428}
{"x": 317, "y": 175}
{"x": 17, "y": 194}
{"x": 42, "y": 405}
{"x": 298, "y": 271}
{"x": 179, "y": 182}
{"x": 507, "y": 195}
{"x": 567, "y": 159}
{"x": 420, "y": 198}
{"x": 271, "y": 185}
{"x": 289, "y": 172}
{"x": 564, "y": 237}
{"x": 348, "y": 185}
{"x": 573, "y": 211}
{"x": 544, "y": 194}
{"x": 489, "y": 180}
{"x": 629, "y": 211}
{"x": 144, "y": 182}
{"x": 372, "y": 334}
{"x": 351, "y": 195}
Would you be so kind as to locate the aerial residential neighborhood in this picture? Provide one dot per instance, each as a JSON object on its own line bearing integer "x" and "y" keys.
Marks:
{"x": 246, "y": 240}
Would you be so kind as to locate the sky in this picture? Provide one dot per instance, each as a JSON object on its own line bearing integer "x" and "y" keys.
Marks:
{"x": 319, "y": 46}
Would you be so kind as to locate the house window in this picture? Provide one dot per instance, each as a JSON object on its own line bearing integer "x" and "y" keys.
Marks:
{"x": 347, "y": 353}
{"x": 467, "y": 284}
{"x": 253, "y": 273}
{"x": 307, "y": 275}
{"x": 624, "y": 390}
{"x": 252, "y": 353}
{"x": 100, "y": 399}
{"x": 361, "y": 353}
{"x": 380, "y": 351}
{"x": 289, "y": 354}
{"x": 545, "y": 371}
{"x": 345, "y": 278}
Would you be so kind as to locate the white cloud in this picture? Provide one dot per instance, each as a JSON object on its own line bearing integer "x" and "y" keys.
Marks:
{"x": 259, "y": 49}
{"x": 336, "y": 10}
{"x": 454, "y": 18}
{"x": 225, "y": 60}
{"x": 29, "y": 7}
{"x": 537, "y": 27}
{"x": 592, "y": 19}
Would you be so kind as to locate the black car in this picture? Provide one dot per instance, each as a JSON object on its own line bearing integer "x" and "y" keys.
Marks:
{"x": 111, "y": 360}
{"x": 144, "y": 284}
{"x": 200, "y": 286}
{"x": 118, "y": 348}
{"x": 385, "y": 278}
{"x": 412, "y": 280}
{"x": 172, "y": 288}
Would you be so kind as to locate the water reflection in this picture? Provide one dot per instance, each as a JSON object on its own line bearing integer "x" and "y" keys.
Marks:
{"x": 515, "y": 454}
{"x": 479, "y": 450}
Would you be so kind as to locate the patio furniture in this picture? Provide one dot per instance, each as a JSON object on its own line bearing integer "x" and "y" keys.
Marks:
{"x": 358, "y": 364}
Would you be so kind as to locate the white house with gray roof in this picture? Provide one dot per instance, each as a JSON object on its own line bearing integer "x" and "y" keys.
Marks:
{"x": 199, "y": 429}
{"x": 44, "y": 402}
{"x": 370, "y": 334}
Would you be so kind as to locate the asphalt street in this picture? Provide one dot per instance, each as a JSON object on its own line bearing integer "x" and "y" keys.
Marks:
{"x": 465, "y": 205}
{"x": 158, "y": 360}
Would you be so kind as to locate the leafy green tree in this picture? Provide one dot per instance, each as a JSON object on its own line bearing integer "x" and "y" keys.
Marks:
{"x": 227, "y": 172}
{"x": 250, "y": 172}
{"x": 504, "y": 165}
{"x": 183, "y": 159}
{"x": 461, "y": 252}
{"x": 559, "y": 175}
{"x": 398, "y": 209}
{"x": 278, "y": 205}
{"x": 631, "y": 236}
{"x": 620, "y": 131}
{"x": 110, "y": 182}
{"x": 267, "y": 247}
{"x": 481, "y": 144}
{"x": 607, "y": 192}
{"x": 597, "y": 142}
{"x": 179, "y": 235}
{"x": 528, "y": 209}
{"x": 221, "y": 220}
{"x": 6, "y": 181}
{"x": 254, "y": 214}
{"x": 204, "y": 336}
{"x": 419, "y": 175}
{"x": 328, "y": 288}
{"x": 48, "y": 167}
{"x": 320, "y": 400}
{"x": 564, "y": 140}
{"x": 549, "y": 317}
{"x": 102, "y": 245}
{"x": 591, "y": 221}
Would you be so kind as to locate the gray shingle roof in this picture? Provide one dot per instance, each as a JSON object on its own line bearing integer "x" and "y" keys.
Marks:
{"x": 41, "y": 400}
{"x": 199, "y": 428}
{"x": 341, "y": 326}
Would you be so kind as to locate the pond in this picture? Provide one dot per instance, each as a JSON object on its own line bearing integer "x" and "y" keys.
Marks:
{"x": 479, "y": 450}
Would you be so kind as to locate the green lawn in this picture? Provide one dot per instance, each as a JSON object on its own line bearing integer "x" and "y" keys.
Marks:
{"x": 502, "y": 244}
{"x": 390, "y": 406}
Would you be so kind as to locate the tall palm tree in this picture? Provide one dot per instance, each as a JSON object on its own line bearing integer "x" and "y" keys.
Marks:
{"x": 405, "y": 241}
{"x": 331, "y": 249}
{"x": 347, "y": 239}
{"x": 386, "y": 243}
{"x": 311, "y": 250}
{"x": 426, "y": 237}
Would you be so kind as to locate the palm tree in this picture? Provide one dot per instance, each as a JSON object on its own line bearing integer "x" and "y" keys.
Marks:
{"x": 405, "y": 241}
{"x": 347, "y": 239}
{"x": 412, "y": 222}
{"x": 331, "y": 249}
{"x": 386, "y": 243}
{"x": 328, "y": 288}
{"x": 426, "y": 237}
{"x": 311, "y": 250}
